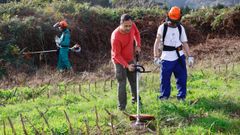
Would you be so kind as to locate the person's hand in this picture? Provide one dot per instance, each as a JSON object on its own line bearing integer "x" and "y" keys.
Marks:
{"x": 76, "y": 48}
{"x": 137, "y": 49}
{"x": 190, "y": 61}
{"x": 57, "y": 40}
{"x": 56, "y": 24}
{"x": 157, "y": 61}
{"x": 131, "y": 67}
{"x": 58, "y": 46}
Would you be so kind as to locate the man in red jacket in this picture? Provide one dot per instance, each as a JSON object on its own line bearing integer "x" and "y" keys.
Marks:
{"x": 123, "y": 50}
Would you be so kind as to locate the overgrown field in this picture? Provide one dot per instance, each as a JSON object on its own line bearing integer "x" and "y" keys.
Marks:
{"x": 27, "y": 26}
{"x": 212, "y": 106}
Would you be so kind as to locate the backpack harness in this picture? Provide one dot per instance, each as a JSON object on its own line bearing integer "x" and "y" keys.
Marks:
{"x": 170, "y": 48}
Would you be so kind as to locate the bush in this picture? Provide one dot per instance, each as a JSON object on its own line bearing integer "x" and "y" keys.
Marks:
{"x": 103, "y": 3}
{"x": 216, "y": 20}
{"x": 8, "y": 56}
{"x": 29, "y": 23}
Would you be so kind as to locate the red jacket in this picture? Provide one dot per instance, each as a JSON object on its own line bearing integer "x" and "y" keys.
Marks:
{"x": 123, "y": 45}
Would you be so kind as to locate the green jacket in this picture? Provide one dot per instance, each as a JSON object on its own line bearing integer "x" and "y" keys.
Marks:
{"x": 65, "y": 38}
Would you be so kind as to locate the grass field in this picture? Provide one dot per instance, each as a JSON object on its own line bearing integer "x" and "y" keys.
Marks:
{"x": 212, "y": 106}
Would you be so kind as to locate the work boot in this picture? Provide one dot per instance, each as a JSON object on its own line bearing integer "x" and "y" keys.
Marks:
{"x": 121, "y": 108}
{"x": 181, "y": 99}
{"x": 134, "y": 100}
{"x": 70, "y": 72}
{"x": 162, "y": 98}
{"x": 61, "y": 71}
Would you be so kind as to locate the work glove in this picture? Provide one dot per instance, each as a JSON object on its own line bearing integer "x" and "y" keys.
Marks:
{"x": 76, "y": 48}
{"x": 57, "y": 41}
{"x": 190, "y": 61}
{"x": 157, "y": 61}
{"x": 56, "y": 24}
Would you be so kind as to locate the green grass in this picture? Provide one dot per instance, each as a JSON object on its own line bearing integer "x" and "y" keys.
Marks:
{"x": 212, "y": 106}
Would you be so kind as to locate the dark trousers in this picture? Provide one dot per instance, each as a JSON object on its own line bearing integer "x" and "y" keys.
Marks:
{"x": 121, "y": 75}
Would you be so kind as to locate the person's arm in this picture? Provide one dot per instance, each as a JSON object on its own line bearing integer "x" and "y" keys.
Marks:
{"x": 157, "y": 46}
{"x": 116, "y": 49}
{"x": 189, "y": 56}
{"x": 184, "y": 41}
{"x": 137, "y": 36}
{"x": 186, "y": 49}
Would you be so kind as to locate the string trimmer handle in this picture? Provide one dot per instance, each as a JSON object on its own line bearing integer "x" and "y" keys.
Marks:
{"x": 140, "y": 69}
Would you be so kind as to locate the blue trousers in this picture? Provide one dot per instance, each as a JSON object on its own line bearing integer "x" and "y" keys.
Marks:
{"x": 180, "y": 72}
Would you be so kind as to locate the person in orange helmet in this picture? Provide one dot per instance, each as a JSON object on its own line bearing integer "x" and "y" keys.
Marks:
{"x": 170, "y": 42}
{"x": 174, "y": 15}
{"x": 63, "y": 44}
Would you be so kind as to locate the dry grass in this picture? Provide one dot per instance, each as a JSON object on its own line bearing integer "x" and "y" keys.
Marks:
{"x": 217, "y": 51}
{"x": 213, "y": 53}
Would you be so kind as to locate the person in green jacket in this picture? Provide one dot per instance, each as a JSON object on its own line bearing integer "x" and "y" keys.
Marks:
{"x": 63, "y": 43}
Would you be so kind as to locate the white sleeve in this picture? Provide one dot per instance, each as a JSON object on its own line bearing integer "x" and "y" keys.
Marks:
{"x": 160, "y": 30}
{"x": 183, "y": 35}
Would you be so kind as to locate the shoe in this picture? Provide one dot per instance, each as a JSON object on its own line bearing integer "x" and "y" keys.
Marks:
{"x": 122, "y": 108}
{"x": 134, "y": 100}
{"x": 162, "y": 98}
{"x": 181, "y": 99}
{"x": 61, "y": 71}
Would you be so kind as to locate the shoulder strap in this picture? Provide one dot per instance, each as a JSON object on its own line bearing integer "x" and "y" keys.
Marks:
{"x": 180, "y": 30}
{"x": 164, "y": 31}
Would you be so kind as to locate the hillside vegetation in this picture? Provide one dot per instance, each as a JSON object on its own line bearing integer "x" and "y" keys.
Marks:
{"x": 27, "y": 26}
{"x": 168, "y": 3}
{"x": 35, "y": 99}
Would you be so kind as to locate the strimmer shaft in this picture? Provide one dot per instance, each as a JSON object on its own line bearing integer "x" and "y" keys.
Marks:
{"x": 138, "y": 100}
{"x": 37, "y": 52}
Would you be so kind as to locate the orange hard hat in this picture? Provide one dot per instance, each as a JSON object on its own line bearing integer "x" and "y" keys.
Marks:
{"x": 63, "y": 24}
{"x": 174, "y": 13}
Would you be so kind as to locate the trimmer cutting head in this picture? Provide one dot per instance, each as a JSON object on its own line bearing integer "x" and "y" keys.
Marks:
{"x": 138, "y": 125}
{"x": 140, "y": 122}
{"x": 142, "y": 117}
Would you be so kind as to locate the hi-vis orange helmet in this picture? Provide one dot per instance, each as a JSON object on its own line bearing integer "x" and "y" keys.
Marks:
{"x": 63, "y": 24}
{"x": 174, "y": 13}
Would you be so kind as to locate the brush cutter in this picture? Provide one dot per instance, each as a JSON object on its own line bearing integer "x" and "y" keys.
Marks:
{"x": 139, "y": 120}
{"x": 76, "y": 48}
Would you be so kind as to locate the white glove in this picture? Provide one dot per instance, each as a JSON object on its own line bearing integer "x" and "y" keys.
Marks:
{"x": 76, "y": 48}
{"x": 56, "y": 24}
{"x": 190, "y": 61}
{"x": 157, "y": 61}
{"x": 57, "y": 40}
